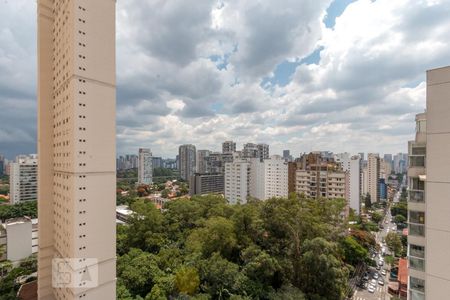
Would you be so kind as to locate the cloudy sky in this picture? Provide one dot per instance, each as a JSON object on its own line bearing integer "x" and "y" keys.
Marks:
{"x": 302, "y": 75}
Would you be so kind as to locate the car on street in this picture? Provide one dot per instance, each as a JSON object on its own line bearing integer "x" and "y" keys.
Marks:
{"x": 375, "y": 276}
{"x": 373, "y": 282}
{"x": 380, "y": 282}
{"x": 383, "y": 272}
{"x": 371, "y": 289}
{"x": 380, "y": 262}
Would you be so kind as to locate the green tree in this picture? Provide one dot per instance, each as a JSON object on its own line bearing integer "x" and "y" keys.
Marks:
{"x": 145, "y": 227}
{"x": 354, "y": 253}
{"x": 394, "y": 243}
{"x": 376, "y": 217}
{"x": 399, "y": 219}
{"x": 187, "y": 280}
{"x": 324, "y": 275}
{"x": 217, "y": 236}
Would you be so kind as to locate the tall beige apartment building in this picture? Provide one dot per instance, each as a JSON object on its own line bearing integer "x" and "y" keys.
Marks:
{"x": 373, "y": 177}
{"x": 76, "y": 144}
{"x": 437, "y": 186}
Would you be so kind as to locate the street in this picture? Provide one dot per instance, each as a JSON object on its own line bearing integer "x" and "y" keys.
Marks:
{"x": 380, "y": 292}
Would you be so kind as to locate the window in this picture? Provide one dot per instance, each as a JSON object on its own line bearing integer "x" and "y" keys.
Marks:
{"x": 415, "y": 229}
{"x": 417, "y": 284}
{"x": 417, "y": 217}
{"x": 417, "y": 251}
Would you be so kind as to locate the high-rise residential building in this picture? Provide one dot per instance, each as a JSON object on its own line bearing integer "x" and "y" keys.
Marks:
{"x": 292, "y": 171}
{"x": 157, "y": 162}
{"x": 201, "y": 184}
{"x": 202, "y": 161}
{"x": 268, "y": 178}
{"x": 354, "y": 171}
{"x": 373, "y": 177}
{"x": 361, "y": 155}
{"x": 436, "y": 284}
{"x": 23, "y": 179}
{"x": 250, "y": 150}
{"x": 237, "y": 176}
{"x": 187, "y": 157}
{"x": 416, "y": 209}
{"x": 76, "y": 146}
{"x": 385, "y": 169}
{"x": 287, "y": 155}
{"x": 320, "y": 181}
{"x": 228, "y": 147}
{"x": 263, "y": 151}
{"x": 145, "y": 169}
{"x": 2, "y": 165}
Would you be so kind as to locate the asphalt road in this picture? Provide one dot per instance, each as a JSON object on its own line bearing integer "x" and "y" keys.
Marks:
{"x": 381, "y": 290}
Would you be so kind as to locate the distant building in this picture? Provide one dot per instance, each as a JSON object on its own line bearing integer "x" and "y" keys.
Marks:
{"x": 23, "y": 179}
{"x": 187, "y": 161}
{"x": 373, "y": 179}
{"x": 292, "y": 171}
{"x": 2, "y": 165}
{"x": 228, "y": 147}
{"x": 268, "y": 178}
{"x": 157, "y": 162}
{"x": 263, "y": 151}
{"x": 170, "y": 163}
{"x": 252, "y": 150}
{"x": 145, "y": 169}
{"x": 201, "y": 184}
{"x": 237, "y": 176}
{"x": 202, "y": 161}
{"x": 129, "y": 161}
{"x": 354, "y": 170}
{"x": 322, "y": 182}
{"x": 287, "y": 155}
{"x": 383, "y": 189}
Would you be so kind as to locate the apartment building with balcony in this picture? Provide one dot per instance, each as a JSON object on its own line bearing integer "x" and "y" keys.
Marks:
{"x": 416, "y": 210}
{"x": 320, "y": 181}
{"x": 236, "y": 182}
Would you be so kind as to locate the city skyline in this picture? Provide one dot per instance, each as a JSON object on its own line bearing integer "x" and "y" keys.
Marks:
{"x": 222, "y": 80}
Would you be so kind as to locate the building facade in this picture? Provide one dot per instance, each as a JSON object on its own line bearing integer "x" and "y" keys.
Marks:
{"x": 23, "y": 179}
{"x": 76, "y": 145}
{"x": 202, "y": 161}
{"x": 237, "y": 176}
{"x": 228, "y": 147}
{"x": 437, "y": 187}
{"x": 201, "y": 184}
{"x": 187, "y": 156}
{"x": 145, "y": 169}
{"x": 268, "y": 178}
{"x": 322, "y": 183}
{"x": 373, "y": 177}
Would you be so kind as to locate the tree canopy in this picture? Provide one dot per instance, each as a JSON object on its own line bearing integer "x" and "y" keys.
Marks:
{"x": 204, "y": 248}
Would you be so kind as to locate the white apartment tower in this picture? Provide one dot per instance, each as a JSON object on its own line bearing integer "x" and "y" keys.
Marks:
{"x": 145, "y": 168}
{"x": 23, "y": 179}
{"x": 354, "y": 183}
{"x": 268, "y": 178}
{"x": 76, "y": 144}
{"x": 237, "y": 176}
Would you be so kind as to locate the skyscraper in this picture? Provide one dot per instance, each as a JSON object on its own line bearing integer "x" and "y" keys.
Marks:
{"x": 76, "y": 146}
{"x": 373, "y": 179}
{"x": 187, "y": 157}
{"x": 23, "y": 179}
{"x": 202, "y": 161}
{"x": 228, "y": 147}
{"x": 145, "y": 168}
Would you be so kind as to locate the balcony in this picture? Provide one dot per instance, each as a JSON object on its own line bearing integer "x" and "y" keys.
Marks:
{"x": 416, "y": 196}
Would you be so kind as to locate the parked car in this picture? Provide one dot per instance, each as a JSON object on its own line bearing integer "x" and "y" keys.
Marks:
{"x": 375, "y": 275}
{"x": 380, "y": 282}
{"x": 383, "y": 272}
{"x": 371, "y": 289}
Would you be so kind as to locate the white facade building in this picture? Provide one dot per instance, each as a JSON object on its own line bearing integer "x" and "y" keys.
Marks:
{"x": 269, "y": 178}
{"x": 237, "y": 174}
{"x": 23, "y": 179}
{"x": 145, "y": 168}
{"x": 354, "y": 182}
